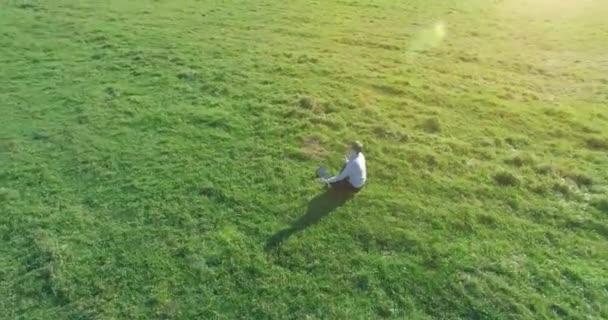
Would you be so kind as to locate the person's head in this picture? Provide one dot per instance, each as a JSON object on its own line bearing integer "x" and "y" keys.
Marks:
{"x": 356, "y": 147}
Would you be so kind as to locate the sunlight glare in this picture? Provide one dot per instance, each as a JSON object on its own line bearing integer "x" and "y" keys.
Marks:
{"x": 428, "y": 38}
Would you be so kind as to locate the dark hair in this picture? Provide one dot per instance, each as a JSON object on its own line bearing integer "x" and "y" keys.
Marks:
{"x": 357, "y": 146}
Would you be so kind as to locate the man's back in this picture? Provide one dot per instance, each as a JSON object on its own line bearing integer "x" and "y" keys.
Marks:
{"x": 356, "y": 170}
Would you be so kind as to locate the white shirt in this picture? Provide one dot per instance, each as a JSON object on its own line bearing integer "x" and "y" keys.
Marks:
{"x": 354, "y": 171}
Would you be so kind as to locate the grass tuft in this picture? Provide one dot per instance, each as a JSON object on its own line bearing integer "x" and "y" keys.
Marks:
{"x": 581, "y": 179}
{"x": 565, "y": 189}
{"x": 506, "y": 179}
{"x": 431, "y": 125}
{"x": 601, "y": 203}
{"x": 521, "y": 160}
{"x": 597, "y": 143}
{"x": 306, "y": 102}
{"x": 546, "y": 169}
{"x": 539, "y": 188}
{"x": 7, "y": 194}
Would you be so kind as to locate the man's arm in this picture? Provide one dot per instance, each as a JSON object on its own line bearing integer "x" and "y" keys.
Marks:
{"x": 343, "y": 175}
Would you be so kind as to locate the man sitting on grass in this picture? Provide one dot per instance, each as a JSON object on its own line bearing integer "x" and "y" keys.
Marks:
{"x": 353, "y": 175}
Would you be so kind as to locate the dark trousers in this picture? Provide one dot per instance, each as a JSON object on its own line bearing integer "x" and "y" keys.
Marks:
{"x": 344, "y": 185}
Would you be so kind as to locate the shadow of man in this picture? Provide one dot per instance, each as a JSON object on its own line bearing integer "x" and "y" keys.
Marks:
{"x": 319, "y": 207}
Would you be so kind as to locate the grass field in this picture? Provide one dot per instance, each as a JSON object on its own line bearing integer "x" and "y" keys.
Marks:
{"x": 157, "y": 159}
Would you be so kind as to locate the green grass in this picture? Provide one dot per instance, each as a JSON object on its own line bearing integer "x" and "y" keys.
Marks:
{"x": 154, "y": 154}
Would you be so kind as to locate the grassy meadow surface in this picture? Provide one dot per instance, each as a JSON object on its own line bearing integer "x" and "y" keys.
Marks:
{"x": 157, "y": 159}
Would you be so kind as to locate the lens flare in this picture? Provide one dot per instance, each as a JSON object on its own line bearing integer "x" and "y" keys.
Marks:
{"x": 440, "y": 30}
{"x": 428, "y": 38}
